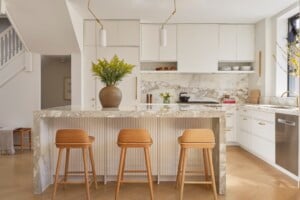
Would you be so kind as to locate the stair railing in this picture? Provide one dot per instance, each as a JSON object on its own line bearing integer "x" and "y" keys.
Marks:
{"x": 10, "y": 46}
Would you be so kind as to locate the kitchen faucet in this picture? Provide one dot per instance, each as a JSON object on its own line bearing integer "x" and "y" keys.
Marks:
{"x": 289, "y": 92}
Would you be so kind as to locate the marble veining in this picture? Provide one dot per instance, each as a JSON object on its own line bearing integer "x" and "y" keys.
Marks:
{"x": 197, "y": 85}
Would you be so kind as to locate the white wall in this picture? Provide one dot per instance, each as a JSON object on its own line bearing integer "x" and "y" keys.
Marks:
{"x": 20, "y": 97}
{"x": 77, "y": 22}
{"x": 76, "y": 76}
{"x": 44, "y": 26}
{"x": 269, "y": 32}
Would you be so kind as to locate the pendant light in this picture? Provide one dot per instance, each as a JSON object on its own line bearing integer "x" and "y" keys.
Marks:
{"x": 102, "y": 32}
{"x": 163, "y": 31}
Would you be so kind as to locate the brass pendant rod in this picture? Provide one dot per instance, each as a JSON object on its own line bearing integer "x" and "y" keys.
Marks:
{"x": 173, "y": 13}
{"x": 96, "y": 18}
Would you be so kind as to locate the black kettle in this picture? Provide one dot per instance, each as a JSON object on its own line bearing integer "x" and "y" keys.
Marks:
{"x": 183, "y": 97}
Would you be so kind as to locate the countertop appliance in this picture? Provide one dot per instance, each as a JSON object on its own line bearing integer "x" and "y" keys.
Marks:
{"x": 286, "y": 138}
{"x": 183, "y": 97}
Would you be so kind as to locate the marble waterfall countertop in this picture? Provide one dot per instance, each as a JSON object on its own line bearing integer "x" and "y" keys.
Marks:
{"x": 141, "y": 110}
{"x": 104, "y": 124}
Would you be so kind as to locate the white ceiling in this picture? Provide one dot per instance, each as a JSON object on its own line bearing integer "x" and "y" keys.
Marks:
{"x": 207, "y": 11}
{"x": 44, "y": 25}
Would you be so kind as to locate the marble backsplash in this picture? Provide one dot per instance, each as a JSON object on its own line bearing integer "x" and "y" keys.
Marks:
{"x": 196, "y": 85}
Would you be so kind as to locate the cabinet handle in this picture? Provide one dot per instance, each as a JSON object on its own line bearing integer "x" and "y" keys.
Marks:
{"x": 244, "y": 118}
{"x": 227, "y": 129}
{"x": 261, "y": 123}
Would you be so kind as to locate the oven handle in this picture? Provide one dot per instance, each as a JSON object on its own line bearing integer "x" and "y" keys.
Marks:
{"x": 286, "y": 122}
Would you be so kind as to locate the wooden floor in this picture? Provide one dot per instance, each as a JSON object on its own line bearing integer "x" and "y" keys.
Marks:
{"x": 248, "y": 178}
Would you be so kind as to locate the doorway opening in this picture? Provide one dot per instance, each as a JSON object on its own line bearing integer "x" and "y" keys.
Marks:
{"x": 56, "y": 81}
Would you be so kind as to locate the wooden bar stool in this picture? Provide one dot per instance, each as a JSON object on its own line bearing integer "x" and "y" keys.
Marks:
{"x": 70, "y": 139}
{"x": 134, "y": 138}
{"x": 199, "y": 139}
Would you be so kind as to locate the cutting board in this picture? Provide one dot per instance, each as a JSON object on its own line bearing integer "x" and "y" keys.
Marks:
{"x": 254, "y": 96}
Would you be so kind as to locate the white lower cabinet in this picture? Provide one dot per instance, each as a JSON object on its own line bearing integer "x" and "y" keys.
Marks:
{"x": 256, "y": 133}
{"x": 263, "y": 148}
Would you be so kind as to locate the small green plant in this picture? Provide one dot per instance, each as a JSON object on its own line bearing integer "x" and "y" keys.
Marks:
{"x": 113, "y": 71}
{"x": 166, "y": 97}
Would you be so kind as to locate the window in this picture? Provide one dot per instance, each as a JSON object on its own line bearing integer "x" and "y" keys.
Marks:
{"x": 293, "y": 30}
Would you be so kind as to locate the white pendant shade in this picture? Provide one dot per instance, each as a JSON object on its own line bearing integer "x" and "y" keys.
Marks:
{"x": 102, "y": 37}
{"x": 163, "y": 37}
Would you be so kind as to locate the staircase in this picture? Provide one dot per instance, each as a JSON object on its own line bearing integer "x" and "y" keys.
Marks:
{"x": 12, "y": 56}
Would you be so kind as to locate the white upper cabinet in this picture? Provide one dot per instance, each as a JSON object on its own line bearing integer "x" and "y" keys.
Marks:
{"x": 197, "y": 47}
{"x": 236, "y": 43}
{"x": 118, "y": 33}
{"x": 228, "y": 43}
{"x": 169, "y": 52}
{"x": 150, "y": 43}
{"x": 245, "y": 42}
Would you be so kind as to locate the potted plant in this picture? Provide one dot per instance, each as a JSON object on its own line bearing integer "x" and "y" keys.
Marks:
{"x": 166, "y": 97}
{"x": 110, "y": 73}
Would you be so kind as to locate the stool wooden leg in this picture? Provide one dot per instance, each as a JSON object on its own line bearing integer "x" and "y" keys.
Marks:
{"x": 183, "y": 172}
{"x": 93, "y": 166}
{"x": 123, "y": 168}
{"x": 56, "y": 173}
{"x": 212, "y": 174}
{"x": 149, "y": 172}
{"x": 206, "y": 166}
{"x": 21, "y": 141}
{"x": 66, "y": 165}
{"x": 179, "y": 170}
{"x": 29, "y": 133}
{"x": 122, "y": 159}
{"x": 86, "y": 175}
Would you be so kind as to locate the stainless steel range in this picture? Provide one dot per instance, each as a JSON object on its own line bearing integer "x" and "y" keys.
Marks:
{"x": 287, "y": 142}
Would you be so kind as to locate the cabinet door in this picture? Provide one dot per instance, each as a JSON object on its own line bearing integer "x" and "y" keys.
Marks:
{"x": 228, "y": 43}
{"x": 90, "y": 83}
{"x": 231, "y": 127}
{"x": 129, "y": 84}
{"x": 129, "y": 33}
{"x": 118, "y": 33}
{"x": 168, "y": 53}
{"x": 197, "y": 47}
{"x": 89, "y": 32}
{"x": 150, "y": 42}
{"x": 245, "y": 43}
{"x": 263, "y": 148}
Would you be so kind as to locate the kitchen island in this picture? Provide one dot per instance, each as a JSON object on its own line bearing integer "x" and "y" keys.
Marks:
{"x": 164, "y": 122}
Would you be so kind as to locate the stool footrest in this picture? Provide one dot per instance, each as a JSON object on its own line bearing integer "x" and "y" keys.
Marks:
{"x": 78, "y": 172}
{"x": 198, "y": 182}
{"x": 133, "y": 181}
{"x": 135, "y": 171}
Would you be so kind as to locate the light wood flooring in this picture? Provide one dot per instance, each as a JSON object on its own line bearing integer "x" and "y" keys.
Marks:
{"x": 248, "y": 178}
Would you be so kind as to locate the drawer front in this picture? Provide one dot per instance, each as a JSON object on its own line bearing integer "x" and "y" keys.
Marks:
{"x": 230, "y": 135}
{"x": 245, "y": 139}
{"x": 245, "y": 123}
{"x": 230, "y": 120}
{"x": 266, "y": 116}
{"x": 264, "y": 148}
{"x": 243, "y": 111}
{"x": 264, "y": 130}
